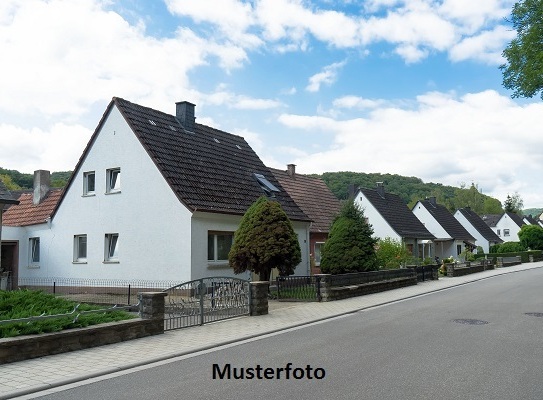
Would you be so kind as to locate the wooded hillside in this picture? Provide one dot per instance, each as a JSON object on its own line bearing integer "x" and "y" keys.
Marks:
{"x": 412, "y": 189}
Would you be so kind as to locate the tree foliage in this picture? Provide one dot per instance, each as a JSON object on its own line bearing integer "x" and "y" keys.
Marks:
{"x": 507, "y": 247}
{"x": 523, "y": 71}
{"x": 350, "y": 246}
{"x": 531, "y": 237}
{"x": 26, "y": 181}
{"x": 8, "y": 182}
{"x": 391, "y": 253}
{"x": 513, "y": 203}
{"x": 265, "y": 239}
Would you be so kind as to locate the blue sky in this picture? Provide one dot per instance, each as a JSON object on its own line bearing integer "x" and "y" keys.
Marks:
{"x": 407, "y": 87}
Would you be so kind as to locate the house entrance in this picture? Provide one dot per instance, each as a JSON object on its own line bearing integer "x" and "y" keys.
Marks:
{"x": 9, "y": 265}
{"x": 205, "y": 300}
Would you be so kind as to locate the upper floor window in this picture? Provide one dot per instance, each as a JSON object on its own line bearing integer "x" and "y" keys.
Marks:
{"x": 499, "y": 232}
{"x": 80, "y": 248}
{"x": 506, "y": 232}
{"x": 218, "y": 245}
{"x": 111, "y": 247}
{"x": 34, "y": 250}
{"x": 113, "y": 180}
{"x": 88, "y": 182}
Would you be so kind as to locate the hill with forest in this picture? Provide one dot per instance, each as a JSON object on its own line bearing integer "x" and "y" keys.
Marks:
{"x": 15, "y": 180}
{"x": 412, "y": 189}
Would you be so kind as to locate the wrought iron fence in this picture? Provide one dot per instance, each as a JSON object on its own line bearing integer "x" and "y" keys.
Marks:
{"x": 94, "y": 291}
{"x": 206, "y": 300}
{"x": 305, "y": 288}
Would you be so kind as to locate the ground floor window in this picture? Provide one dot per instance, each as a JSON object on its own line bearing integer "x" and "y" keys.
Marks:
{"x": 111, "y": 247}
{"x": 317, "y": 253}
{"x": 458, "y": 249}
{"x": 218, "y": 245}
{"x": 80, "y": 248}
{"x": 34, "y": 250}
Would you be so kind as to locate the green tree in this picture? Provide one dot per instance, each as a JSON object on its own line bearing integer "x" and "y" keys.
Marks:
{"x": 265, "y": 239}
{"x": 8, "y": 181}
{"x": 531, "y": 237}
{"x": 513, "y": 203}
{"x": 391, "y": 253}
{"x": 510, "y": 247}
{"x": 523, "y": 71}
{"x": 350, "y": 246}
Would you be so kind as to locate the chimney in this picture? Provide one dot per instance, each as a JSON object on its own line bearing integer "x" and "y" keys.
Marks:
{"x": 291, "y": 170}
{"x": 381, "y": 189}
{"x": 42, "y": 184}
{"x": 432, "y": 201}
{"x": 184, "y": 112}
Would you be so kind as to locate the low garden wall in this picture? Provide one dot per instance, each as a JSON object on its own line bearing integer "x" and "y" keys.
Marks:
{"x": 32, "y": 346}
{"x": 337, "y": 287}
{"x": 468, "y": 268}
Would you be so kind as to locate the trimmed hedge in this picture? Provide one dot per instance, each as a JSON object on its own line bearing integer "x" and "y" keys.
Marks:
{"x": 524, "y": 255}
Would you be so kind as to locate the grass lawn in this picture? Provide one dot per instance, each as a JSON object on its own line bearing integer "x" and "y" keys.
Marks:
{"x": 28, "y": 303}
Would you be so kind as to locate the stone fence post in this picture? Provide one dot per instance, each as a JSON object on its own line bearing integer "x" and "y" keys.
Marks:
{"x": 531, "y": 257}
{"x": 325, "y": 286}
{"x": 152, "y": 307}
{"x": 499, "y": 262}
{"x": 259, "y": 298}
{"x": 450, "y": 269}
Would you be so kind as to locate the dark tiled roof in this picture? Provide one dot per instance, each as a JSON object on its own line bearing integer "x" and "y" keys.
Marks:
{"x": 491, "y": 219}
{"x": 397, "y": 214}
{"x": 531, "y": 220}
{"x": 516, "y": 218}
{"x": 6, "y": 197}
{"x": 451, "y": 225}
{"x": 209, "y": 170}
{"x": 26, "y": 213}
{"x": 480, "y": 225}
{"x": 312, "y": 196}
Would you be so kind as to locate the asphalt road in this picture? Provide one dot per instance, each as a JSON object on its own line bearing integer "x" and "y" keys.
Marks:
{"x": 471, "y": 342}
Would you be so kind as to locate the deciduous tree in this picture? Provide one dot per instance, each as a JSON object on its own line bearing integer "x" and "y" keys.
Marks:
{"x": 523, "y": 71}
{"x": 531, "y": 237}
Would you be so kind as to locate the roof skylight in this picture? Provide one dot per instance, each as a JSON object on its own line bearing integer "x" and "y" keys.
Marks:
{"x": 152, "y": 122}
{"x": 265, "y": 184}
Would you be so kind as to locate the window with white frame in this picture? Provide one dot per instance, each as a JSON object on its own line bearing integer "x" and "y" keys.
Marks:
{"x": 80, "y": 248}
{"x": 113, "y": 180}
{"x": 218, "y": 245}
{"x": 317, "y": 254}
{"x": 34, "y": 250}
{"x": 111, "y": 253}
{"x": 506, "y": 232}
{"x": 89, "y": 183}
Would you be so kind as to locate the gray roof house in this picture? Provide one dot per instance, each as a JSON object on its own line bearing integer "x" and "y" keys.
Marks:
{"x": 156, "y": 196}
{"x": 390, "y": 217}
{"x": 452, "y": 239}
{"x": 474, "y": 224}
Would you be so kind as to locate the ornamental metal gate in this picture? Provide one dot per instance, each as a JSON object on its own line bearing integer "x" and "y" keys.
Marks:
{"x": 205, "y": 300}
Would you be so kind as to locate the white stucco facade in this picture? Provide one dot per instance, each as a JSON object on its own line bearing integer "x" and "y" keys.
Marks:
{"x": 381, "y": 228}
{"x": 479, "y": 239}
{"x": 158, "y": 238}
{"x": 507, "y": 229}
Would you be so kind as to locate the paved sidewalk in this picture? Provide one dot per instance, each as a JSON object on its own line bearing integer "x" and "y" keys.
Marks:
{"x": 24, "y": 377}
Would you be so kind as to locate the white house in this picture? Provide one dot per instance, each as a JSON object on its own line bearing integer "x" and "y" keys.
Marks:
{"x": 451, "y": 237}
{"x": 508, "y": 226}
{"x": 391, "y": 218}
{"x": 474, "y": 224}
{"x": 153, "y": 197}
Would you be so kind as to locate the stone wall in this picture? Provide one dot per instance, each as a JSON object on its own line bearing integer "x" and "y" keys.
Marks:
{"x": 31, "y": 346}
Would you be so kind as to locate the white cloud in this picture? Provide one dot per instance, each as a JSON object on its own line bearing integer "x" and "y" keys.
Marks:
{"x": 486, "y": 46}
{"x": 57, "y": 148}
{"x": 222, "y": 97}
{"x": 356, "y": 102}
{"x": 481, "y": 137}
{"x": 327, "y": 76}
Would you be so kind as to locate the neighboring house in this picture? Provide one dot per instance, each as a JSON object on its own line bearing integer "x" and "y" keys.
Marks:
{"x": 451, "y": 237}
{"x": 6, "y": 255}
{"x": 154, "y": 197}
{"x": 529, "y": 220}
{"x": 474, "y": 224}
{"x": 390, "y": 217}
{"x": 316, "y": 201}
{"x": 507, "y": 226}
{"x": 27, "y": 224}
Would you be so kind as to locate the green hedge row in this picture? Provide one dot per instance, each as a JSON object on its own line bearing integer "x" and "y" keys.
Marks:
{"x": 524, "y": 255}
